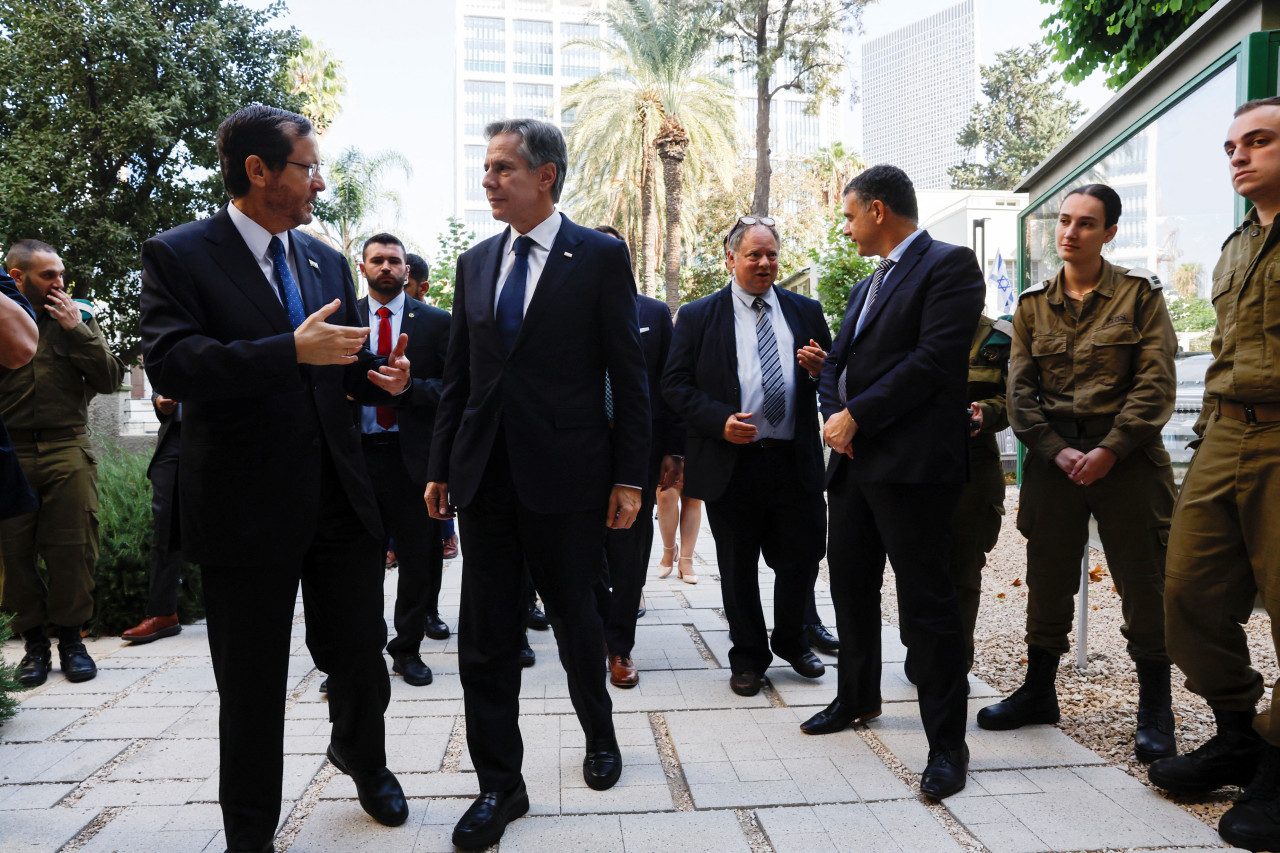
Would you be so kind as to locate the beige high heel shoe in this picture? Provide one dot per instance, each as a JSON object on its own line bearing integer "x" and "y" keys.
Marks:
{"x": 689, "y": 576}
{"x": 667, "y": 567}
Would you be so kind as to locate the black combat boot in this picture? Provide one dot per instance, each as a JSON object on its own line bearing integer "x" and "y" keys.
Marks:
{"x": 73, "y": 657}
{"x": 1153, "y": 738}
{"x": 1036, "y": 701}
{"x": 1230, "y": 757}
{"x": 1254, "y": 821}
{"x": 34, "y": 668}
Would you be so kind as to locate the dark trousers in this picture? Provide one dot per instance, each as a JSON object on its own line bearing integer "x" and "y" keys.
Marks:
{"x": 626, "y": 563}
{"x": 563, "y": 552}
{"x": 909, "y": 524}
{"x": 166, "y": 561}
{"x": 250, "y": 617}
{"x": 765, "y": 510}
{"x": 419, "y": 548}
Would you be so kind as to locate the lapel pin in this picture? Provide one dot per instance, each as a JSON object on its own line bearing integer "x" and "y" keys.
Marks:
{"x": 410, "y": 313}
{"x": 314, "y": 265}
{"x": 568, "y": 254}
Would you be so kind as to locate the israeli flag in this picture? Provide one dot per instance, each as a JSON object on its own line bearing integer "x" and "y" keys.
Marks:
{"x": 1004, "y": 287}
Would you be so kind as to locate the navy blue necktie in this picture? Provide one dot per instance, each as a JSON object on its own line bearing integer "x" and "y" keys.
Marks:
{"x": 288, "y": 288}
{"x": 510, "y": 311}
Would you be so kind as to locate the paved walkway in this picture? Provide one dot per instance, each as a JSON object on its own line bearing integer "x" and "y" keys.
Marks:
{"x": 128, "y": 762}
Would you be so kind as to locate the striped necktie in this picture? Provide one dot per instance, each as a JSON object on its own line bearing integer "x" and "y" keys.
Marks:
{"x": 775, "y": 390}
{"x": 876, "y": 278}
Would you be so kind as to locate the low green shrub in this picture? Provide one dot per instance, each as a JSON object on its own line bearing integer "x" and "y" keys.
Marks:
{"x": 8, "y": 675}
{"x": 124, "y": 534}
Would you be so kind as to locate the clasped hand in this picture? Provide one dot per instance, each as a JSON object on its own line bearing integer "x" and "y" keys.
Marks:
{"x": 838, "y": 432}
{"x": 1085, "y": 468}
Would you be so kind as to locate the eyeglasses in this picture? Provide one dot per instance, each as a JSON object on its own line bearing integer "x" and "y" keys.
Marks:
{"x": 756, "y": 220}
{"x": 313, "y": 169}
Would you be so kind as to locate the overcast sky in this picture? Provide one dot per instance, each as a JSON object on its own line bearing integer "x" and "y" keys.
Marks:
{"x": 397, "y": 58}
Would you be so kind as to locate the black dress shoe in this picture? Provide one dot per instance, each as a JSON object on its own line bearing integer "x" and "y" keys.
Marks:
{"x": 484, "y": 822}
{"x": 74, "y": 660}
{"x": 745, "y": 683}
{"x": 822, "y": 639}
{"x": 808, "y": 664}
{"x": 536, "y": 619}
{"x": 837, "y": 716}
{"x": 603, "y": 764}
{"x": 34, "y": 668}
{"x": 324, "y": 687}
{"x": 527, "y": 657}
{"x": 380, "y": 793}
{"x": 415, "y": 672}
{"x": 945, "y": 773}
{"x": 435, "y": 627}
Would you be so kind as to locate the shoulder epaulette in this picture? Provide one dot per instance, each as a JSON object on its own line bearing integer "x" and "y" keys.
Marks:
{"x": 1035, "y": 288}
{"x": 1234, "y": 233}
{"x": 88, "y": 310}
{"x": 1004, "y": 327}
{"x": 1152, "y": 278}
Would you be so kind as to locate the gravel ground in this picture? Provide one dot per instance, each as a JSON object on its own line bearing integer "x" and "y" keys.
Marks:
{"x": 1098, "y": 704}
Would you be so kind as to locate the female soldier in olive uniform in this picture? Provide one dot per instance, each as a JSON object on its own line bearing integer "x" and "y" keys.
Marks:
{"x": 1091, "y": 383}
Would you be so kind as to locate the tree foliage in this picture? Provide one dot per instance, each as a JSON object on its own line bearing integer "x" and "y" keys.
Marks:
{"x": 840, "y": 268}
{"x": 107, "y": 124}
{"x": 451, "y": 243}
{"x": 783, "y": 44}
{"x": 315, "y": 75}
{"x": 1118, "y": 36}
{"x": 1192, "y": 314}
{"x": 1024, "y": 118}
{"x": 357, "y": 190}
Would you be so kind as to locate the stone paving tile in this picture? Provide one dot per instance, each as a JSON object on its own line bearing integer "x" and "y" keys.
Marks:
{"x": 170, "y": 759}
{"x": 187, "y": 699}
{"x": 299, "y": 770}
{"x": 687, "y": 832}
{"x": 59, "y": 761}
{"x": 902, "y": 826}
{"x": 572, "y": 833}
{"x": 344, "y": 826}
{"x": 118, "y": 723}
{"x": 30, "y": 831}
{"x": 107, "y": 681}
{"x": 200, "y": 722}
{"x": 64, "y": 700}
{"x": 166, "y": 793}
{"x": 37, "y": 724}
{"x": 15, "y": 797}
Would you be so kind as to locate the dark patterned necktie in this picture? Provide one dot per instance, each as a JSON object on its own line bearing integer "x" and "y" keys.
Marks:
{"x": 876, "y": 278}
{"x": 284, "y": 280}
{"x": 775, "y": 390}
{"x": 510, "y": 311}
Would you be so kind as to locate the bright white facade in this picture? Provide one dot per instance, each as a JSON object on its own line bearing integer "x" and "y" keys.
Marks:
{"x": 985, "y": 221}
{"x": 919, "y": 85}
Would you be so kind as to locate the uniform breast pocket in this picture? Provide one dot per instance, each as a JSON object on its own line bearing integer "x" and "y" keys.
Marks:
{"x": 1113, "y": 352}
{"x": 1049, "y": 349}
{"x": 1223, "y": 284}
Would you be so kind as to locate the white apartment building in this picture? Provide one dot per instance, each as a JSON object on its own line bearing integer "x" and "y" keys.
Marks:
{"x": 919, "y": 85}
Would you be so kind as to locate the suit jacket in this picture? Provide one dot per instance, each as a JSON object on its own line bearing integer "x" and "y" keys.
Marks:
{"x": 256, "y": 423}
{"x": 428, "y": 331}
{"x": 655, "y": 338}
{"x": 170, "y": 431}
{"x": 701, "y": 385}
{"x": 908, "y": 368}
{"x": 547, "y": 394}
{"x": 15, "y": 493}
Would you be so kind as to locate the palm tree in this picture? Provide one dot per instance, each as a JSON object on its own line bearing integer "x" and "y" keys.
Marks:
{"x": 314, "y": 73}
{"x": 658, "y": 103}
{"x": 356, "y": 191}
{"x": 833, "y": 168}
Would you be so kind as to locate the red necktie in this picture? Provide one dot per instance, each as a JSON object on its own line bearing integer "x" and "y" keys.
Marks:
{"x": 386, "y": 415}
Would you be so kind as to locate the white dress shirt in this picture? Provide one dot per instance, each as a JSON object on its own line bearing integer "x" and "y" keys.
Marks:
{"x": 258, "y": 239}
{"x": 369, "y": 414}
{"x": 543, "y": 235}
{"x": 749, "y": 377}
{"x": 895, "y": 256}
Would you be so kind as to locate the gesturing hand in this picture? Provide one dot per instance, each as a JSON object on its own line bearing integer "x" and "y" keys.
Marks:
{"x": 62, "y": 308}
{"x": 811, "y": 358}
{"x": 737, "y": 430}
{"x": 318, "y": 342}
{"x": 394, "y": 375}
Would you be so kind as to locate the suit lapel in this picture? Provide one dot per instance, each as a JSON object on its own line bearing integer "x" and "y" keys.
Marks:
{"x": 309, "y": 283}
{"x": 560, "y": 261}
{"x": 791, "y": 314}
{"x": 237, "y": 262}
{"x": 897, "y": 276}
{"x": 723, "y": 333}
{"x": 362, "y": 305}
{"x": 483, "y": 283}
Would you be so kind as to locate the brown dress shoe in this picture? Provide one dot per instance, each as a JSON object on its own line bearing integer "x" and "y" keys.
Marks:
{"x": 451, "y": 547}
{"x": 153, "y": 628}
{"x": 622, "y": 672}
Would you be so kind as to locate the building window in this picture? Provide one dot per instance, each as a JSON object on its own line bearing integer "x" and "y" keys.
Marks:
{"x": 578, "y": 60}
{"x": 485, "y": 44}
{"x": 483, "y": 223}
{"x": 532, "y": 100}
{"x": 473, "y": 171}
{"x": 567, "y": 118}
{"x": 483, "y": 102}
{"x": 533, "y": 47}
{"x": 533, "y": 5}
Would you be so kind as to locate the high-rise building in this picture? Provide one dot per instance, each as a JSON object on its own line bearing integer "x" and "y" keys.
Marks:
{"x": 510, "y": 60}
{"x": 919, "y": 85}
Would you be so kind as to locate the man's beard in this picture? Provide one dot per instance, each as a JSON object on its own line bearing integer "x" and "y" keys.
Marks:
{"x": 388, "y": 288}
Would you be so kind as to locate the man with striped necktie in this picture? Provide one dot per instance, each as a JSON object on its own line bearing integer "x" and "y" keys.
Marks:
{"x": 893, "y": 393}
{"x": 742, "y": 374}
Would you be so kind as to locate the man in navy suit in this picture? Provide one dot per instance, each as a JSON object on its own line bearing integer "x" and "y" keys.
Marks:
{"x": 397, "y": 443}
{"x": 742, "y": 375}
{"x": 253, "y": 326}
{"x": 893, "y": 394}
{"x": 523, "y": 448}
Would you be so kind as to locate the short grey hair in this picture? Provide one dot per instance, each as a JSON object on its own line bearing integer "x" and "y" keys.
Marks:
{"x": 540, "y": 143}
{"x": 736, "y": 234}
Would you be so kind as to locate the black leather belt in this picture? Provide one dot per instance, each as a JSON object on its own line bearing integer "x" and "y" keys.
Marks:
{"x": 770, "y": 444}
{"x": 31, "y": 436}
{"x": 1083, "y": 427}
{"x": 379, "y": 439}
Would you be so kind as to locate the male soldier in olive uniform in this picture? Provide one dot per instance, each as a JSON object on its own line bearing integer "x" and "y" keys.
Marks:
{"x": 1091, "y": 380}
{"x": 45, "y": 405}
{"x": 975, "y": 527}
{"x": 1224, "y": 546}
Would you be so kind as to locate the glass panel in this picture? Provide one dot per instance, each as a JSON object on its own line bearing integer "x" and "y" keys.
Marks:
{"x": 533, "y": 47}
{"x": 485, "y": 44}
{"x": 567, "y": 118}
{"x": 473, "y": 171}
{"x": 533, "y": 5}
{"x": 483, "y": 223}
{"x": 532, "y": 100}
{"x": 482, "y": 4}
{"x": 579, "y": 61}
{"x": 483, "y": 102}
